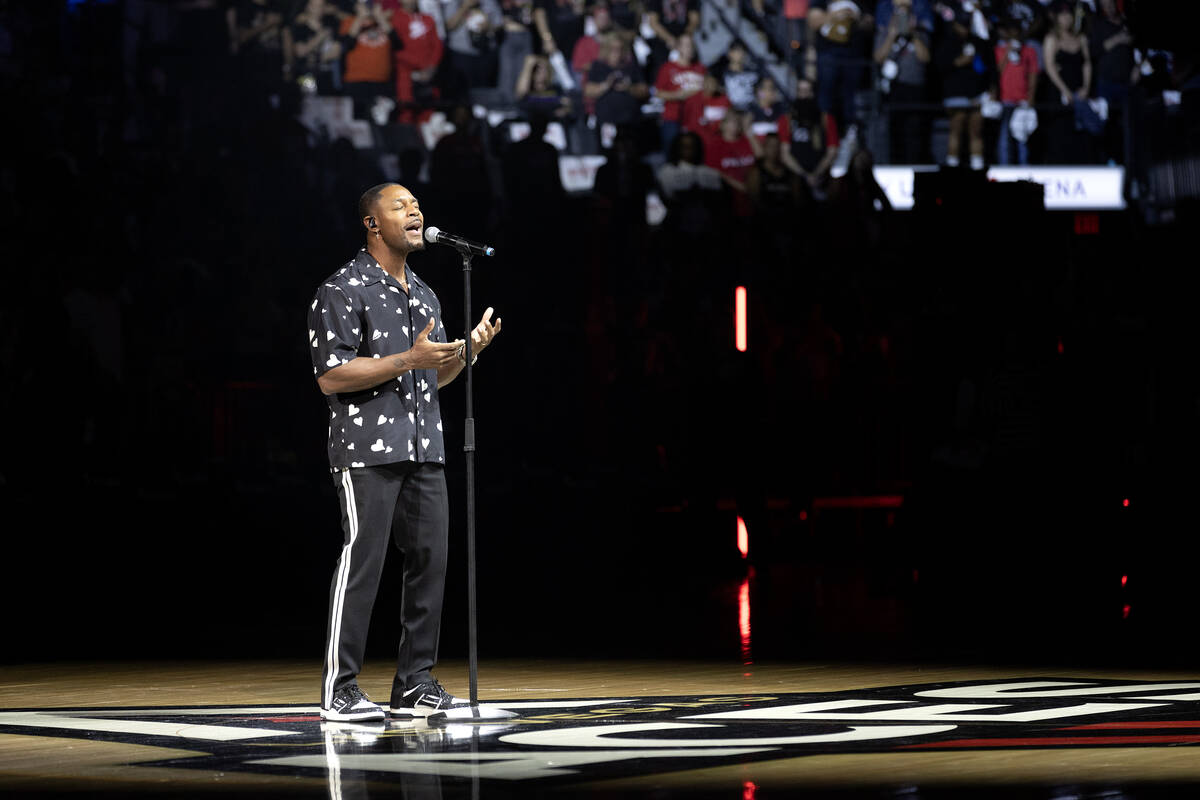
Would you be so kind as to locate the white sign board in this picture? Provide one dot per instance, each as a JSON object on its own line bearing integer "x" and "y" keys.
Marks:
{"x": 578, "y": 173}
{"x": 1067, "y": 188}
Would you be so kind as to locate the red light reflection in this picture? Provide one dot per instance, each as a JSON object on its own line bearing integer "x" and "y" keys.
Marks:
{"x": 744, "y": 619}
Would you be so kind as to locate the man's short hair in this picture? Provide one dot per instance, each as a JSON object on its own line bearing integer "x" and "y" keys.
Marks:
{"x": 366, "y": 203}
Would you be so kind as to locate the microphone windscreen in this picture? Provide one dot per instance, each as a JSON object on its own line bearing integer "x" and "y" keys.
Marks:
{"x": 431, "y": 235}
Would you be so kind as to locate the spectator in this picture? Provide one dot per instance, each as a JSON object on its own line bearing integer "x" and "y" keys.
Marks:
{"x": 839, "y": 28}
{"x": 458, "y": 170}
{"x": 559, "y": 24}
{"x": 769, "y": 114}
{"x": 1016, "y": 75}
{"x": 678, "y": 80}
{"x": 775, "y": 191}
{"x": 671, "y": 20}
{"x": 256, "y": 42}
{"x": 626, "y": 18}
{"x": 312, "y": 52}
{"x": 368, "y": 41}
{"x": 1111, "y": 45}
{"x": 902, "y": 52}
{"x": 616, "y": 85}
{"x": 960, "y": 59}
{"x": 619, "y": 198}
{"x": 739, "y": 77}
{"x": 587, "y": 47}
{"x": 470, "y": 39}
{"x": 255, "y": 28}
{"x": 1069, "y": 68}
{"x": 691, "y": 189}
{"x": 858, "y": 209}
{"x": 731, "y": 151}
{"x": 416, "y": 61}
{"x": 808, "y": 156}
{"x": 531, "y": 178}
{"x": 705, "y": 108}
{"x": 536, "y": 94}
{"x": 696, "y": 201}
{"x": 516, "y": 44}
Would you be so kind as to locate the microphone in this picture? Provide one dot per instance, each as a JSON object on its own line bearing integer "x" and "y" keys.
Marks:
{"x": 436, "y": 236}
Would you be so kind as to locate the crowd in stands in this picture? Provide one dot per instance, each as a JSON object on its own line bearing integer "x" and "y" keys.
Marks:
{"x": 962, "y": 83}
{"x": 219, "y": 210}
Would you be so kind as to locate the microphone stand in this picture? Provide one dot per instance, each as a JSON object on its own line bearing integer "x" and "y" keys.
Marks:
{"x": 474, "y": 711}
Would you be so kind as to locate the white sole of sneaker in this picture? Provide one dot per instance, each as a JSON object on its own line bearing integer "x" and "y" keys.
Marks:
{"x": 419, "y": 711}
{"x": 362, "y": 716}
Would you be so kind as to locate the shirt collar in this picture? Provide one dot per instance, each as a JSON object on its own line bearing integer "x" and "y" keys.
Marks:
{"x": 369, "y": 271}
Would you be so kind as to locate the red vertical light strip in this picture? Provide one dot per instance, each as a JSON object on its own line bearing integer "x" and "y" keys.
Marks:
{"x": 743, "y": 538}
{"x": 748, "y": 790}
{"x": 744, "y": 619}
{"x": 739, "y": 319}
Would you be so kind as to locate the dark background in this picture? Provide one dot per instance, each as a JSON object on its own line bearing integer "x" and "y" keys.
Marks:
{"x": 164, "y": 483}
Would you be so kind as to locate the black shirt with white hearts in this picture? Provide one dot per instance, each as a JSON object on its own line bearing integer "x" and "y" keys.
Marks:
{"x": 360, "y": 310}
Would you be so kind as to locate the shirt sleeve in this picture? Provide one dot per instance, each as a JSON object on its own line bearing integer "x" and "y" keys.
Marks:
{"x": 665, "y": 76}
{"x": 334, "y": 330}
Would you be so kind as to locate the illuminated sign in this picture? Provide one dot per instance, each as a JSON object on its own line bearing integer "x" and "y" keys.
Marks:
{"x": 1067, "y": 188}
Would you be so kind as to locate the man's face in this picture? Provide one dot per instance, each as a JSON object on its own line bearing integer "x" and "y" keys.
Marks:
{"x": 399, "y": 220}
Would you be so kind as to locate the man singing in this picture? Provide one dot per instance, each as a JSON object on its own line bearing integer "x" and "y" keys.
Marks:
{"x": 380, "y": 356}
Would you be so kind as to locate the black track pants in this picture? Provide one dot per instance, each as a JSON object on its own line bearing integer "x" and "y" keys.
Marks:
{"x": 406, "y": 502}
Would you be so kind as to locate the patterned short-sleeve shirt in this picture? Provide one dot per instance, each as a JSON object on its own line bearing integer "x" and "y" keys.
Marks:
{"x": 361, "y": 311}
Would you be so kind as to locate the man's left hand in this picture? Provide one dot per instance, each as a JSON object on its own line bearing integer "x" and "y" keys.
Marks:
{"x": 484, "y": 332}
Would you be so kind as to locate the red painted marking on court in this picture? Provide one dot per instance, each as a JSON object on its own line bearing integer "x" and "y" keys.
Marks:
{"x": 1052, "y": 741}
{"x": 1110, "y": 726}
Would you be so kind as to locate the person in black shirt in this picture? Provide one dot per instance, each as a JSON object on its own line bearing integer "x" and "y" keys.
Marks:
{"x": 615, "y": 83}
{"x": 1111, "y": 46}
{"x": 380, "y": 356}
{"x": 559, "y": 24}
{"x": 311, "y": 48}
{"x": 841, "y": 34}
{"x": 963, "y": 60}
{"x": 671, "y": 20}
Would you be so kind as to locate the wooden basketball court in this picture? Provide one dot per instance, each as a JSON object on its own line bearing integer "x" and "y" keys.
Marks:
{"x": 144, "y": 729}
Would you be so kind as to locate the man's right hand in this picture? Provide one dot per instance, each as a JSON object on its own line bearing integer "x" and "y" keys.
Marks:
{"x": 425, "y": 354}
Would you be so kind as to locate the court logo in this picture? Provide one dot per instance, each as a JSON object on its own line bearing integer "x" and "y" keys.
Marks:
{"x": 587, "y": 739}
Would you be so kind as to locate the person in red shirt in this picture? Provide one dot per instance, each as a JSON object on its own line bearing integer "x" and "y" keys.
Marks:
{"x": 677, "y": 81}
{"x": 587, "y": 47}
{"x": 416, "y": 61}
{"x": 704, "y": 110}
{"x": 1017, "y": 79}
{"x": 731, "y": 151}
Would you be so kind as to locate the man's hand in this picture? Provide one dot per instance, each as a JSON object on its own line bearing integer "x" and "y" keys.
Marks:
{"x": 481, "y": 337}
{"x": 484, "y": 332}
{"x": 425, "y": 354}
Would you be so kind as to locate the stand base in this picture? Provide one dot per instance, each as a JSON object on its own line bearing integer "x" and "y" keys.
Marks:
{"x": 481, "y": 713}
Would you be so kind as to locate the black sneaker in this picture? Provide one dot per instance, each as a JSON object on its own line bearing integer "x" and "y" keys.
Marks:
{"x": 350, "y": 704}
{"x": 424, "y": 699}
